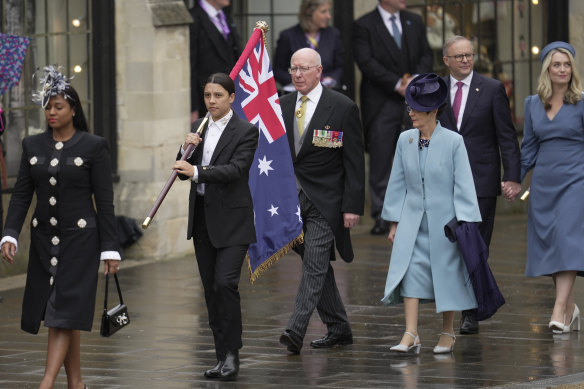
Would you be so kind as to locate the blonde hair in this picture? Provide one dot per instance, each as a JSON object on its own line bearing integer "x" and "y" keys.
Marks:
{"x": 544, "y": 85}
{"x": 307, "y": 8}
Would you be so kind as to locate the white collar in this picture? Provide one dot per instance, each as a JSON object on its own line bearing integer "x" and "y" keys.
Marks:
{"x": 466, "y": 81}
{"x": 386, "y": 15}
{"x": 209, "y": 9}
{"x": 313, "y": 95}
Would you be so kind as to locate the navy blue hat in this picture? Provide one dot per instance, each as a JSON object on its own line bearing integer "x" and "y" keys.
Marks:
{"x": 426, "y": 92}
{"x": 556, "y": 45}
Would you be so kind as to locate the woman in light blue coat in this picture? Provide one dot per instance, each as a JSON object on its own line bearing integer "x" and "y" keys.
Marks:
{"x": 430, "y": 183}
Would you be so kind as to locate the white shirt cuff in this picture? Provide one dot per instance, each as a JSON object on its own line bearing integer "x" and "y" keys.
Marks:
{"x": 112, "y": 255}
{"x": 9, "y": 239}
{"x": 195, "y": 176}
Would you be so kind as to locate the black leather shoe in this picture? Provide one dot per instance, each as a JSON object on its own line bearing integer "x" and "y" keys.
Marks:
{"x": 291, "y": 341}
{"x": 214, "y": 372}
{"x": 468, "y": 323}
{"x": 330, "y": 340}
{"x": 381, "y": 227}
{"x": 230, "y": 366}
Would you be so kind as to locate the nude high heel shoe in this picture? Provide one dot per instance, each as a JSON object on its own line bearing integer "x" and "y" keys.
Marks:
{"x": 575, "y": 316}
{"x": 445, "y": 350}
{"x": 404, "y": 348}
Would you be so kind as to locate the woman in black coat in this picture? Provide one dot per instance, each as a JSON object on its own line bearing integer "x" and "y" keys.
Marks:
{"x": 221, "y": 220}
{"x": 69, "y": 171}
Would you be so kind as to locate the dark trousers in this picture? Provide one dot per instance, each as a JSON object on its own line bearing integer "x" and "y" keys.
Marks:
{"x": 318, "y": 288}
{"x": 381, "y": 140}
{"x": 487, "y": 206}
{"x": 220, "y": 270}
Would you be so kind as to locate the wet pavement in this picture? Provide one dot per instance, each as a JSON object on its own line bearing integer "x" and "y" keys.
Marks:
{"x": 168, "y": 343}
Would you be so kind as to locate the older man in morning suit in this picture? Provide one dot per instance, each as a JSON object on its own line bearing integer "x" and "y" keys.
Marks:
{"x": 390, "y": 47}
{"x": 478, "y": 108}
{"x": 326, "y": 145}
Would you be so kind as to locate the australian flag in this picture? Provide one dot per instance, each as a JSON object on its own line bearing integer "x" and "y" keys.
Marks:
{"x": 271, "y": 178}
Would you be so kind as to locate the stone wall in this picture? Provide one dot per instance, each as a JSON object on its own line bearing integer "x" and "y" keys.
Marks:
{"x": 153, "y": 97}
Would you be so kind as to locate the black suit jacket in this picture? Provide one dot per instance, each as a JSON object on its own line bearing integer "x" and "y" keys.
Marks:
{"x": 489, "y": 134}
{"x": 382, "y": 63}
{"x": 209, "y": 53}
{"x": 330, "y": 49}
{"x": 333, "y": 178}
{"x": 228, "y": 202}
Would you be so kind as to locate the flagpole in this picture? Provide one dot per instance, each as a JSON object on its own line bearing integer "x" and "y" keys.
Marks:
{"x": 171, "y": 179}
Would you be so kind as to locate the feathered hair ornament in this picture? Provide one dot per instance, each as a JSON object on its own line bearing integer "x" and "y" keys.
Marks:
{"x": 52, "y": 84}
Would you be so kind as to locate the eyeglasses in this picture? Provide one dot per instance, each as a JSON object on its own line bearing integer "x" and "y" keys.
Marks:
{"x": 303, "y": 69}
{"x": 459, "y": 57}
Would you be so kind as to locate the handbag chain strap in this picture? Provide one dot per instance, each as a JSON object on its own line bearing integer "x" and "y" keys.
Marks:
{"x": 106, "y": 291}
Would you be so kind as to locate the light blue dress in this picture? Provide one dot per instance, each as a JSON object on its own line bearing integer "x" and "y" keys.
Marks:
{"x": 554, "y": 149}
{"x": 426, "y": 189}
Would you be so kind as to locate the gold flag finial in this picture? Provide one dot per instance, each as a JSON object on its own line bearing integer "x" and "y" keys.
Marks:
{"x": 263, "y": 26}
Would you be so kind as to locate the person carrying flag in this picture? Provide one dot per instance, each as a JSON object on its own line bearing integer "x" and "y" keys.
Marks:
{"x": 325, "y": 138}
{"x": 221, "y": 220}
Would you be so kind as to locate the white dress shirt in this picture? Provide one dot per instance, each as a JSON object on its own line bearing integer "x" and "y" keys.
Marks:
{"x": 212, "y": 135}
{"x": 465, "y": 88}
{"x": 313, "y": 98}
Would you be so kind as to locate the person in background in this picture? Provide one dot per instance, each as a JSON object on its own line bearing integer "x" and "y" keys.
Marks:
{"x": 478, "y": 109}
{"x": 214, "y": 47}
{"x": 314, "y": 32}
{"x": 390, "y": 47}
{"x": 430, "y": 184}
{"x": 552, "y": 146}
{"x": 72, "y": 228}
{"x": 221, "y": 218}
{"x": 324, "y": 134}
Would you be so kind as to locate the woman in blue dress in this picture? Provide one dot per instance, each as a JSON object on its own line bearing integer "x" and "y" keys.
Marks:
{"x": 553, "y": 146}
{"x": 431, "y": 183}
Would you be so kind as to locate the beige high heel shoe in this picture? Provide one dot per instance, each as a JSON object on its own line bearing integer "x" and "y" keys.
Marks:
{"x": 404, "y": 348}
{"x": 443, "y": 349}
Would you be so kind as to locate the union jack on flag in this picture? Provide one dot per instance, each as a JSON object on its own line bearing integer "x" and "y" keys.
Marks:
{"x": 271, "y": 178}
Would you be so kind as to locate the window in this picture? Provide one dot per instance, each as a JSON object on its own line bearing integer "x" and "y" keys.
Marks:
{"x": 60, "y": 33}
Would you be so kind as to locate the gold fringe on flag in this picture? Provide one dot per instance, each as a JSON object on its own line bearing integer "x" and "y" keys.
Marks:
{"x": 273, "y": 259}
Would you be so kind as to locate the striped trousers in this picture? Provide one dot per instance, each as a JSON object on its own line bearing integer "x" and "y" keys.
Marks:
{"x": 318, "y": 288}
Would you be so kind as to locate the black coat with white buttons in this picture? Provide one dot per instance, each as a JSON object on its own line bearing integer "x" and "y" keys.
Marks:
{"x": 73, "y": 222}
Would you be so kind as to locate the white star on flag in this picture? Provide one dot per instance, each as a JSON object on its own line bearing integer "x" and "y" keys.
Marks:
{"x": 298, "y": 213}
{"x": 273, "y": 210}
{"x": 264, "y": 165}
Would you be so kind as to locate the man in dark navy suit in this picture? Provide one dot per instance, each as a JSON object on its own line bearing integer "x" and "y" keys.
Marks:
{"x": 215, "y": 47}
{"x": 478, "y": 108}
{"x": 390, "y": 48}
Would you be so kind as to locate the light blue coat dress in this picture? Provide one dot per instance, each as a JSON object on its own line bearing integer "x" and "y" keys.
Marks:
{"x": 421, "y": 251}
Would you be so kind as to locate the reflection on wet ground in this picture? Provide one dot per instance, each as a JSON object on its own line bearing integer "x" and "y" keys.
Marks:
{"x": 169, "y": 345}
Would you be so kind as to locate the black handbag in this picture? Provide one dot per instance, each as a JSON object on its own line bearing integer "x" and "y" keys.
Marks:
{"x": 117, "y": 317}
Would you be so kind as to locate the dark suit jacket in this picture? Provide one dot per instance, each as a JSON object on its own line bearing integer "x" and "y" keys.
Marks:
{"x": 381, "y": 61}
{"x": 489, "y": 134}
{"x": 330, "y": 49}
{"x": 209, "y": 53}
{"x": 333, "y": 178}
{"x": 228, "y": 203}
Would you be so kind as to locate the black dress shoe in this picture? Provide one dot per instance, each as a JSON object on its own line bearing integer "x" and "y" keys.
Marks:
{"x": 468, "y": 323}
{"x": 330, "y": 340}
{"x": 214, "y": 372}
{"x": 230, "y": 366}
{"x": 291, "y": 341}
{"x": 381, "y": 227}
